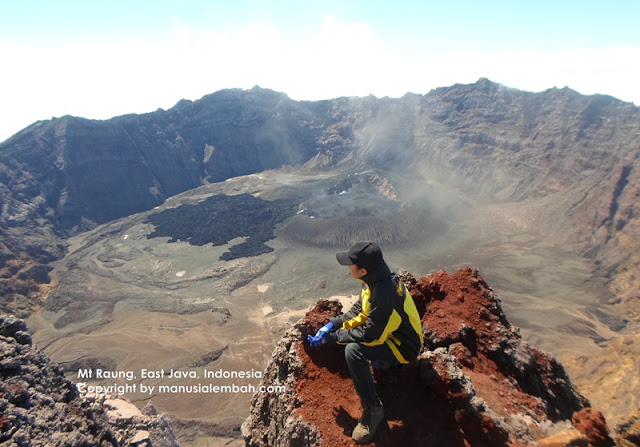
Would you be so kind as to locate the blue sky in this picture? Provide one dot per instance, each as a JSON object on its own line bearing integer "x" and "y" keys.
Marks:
{"x": 100, "y": 59}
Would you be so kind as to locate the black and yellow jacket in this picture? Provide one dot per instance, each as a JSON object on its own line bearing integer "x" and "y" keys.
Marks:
{"x": 385, "y": 313}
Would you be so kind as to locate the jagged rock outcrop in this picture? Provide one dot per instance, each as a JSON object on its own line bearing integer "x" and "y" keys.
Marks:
{"x": 40, "y": 407}
{"x": 477, "y": 382}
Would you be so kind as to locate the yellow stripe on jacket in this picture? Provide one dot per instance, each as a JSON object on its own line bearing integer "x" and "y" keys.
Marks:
{"x": 361, "y": 318}
{"x": 393, "y": 323}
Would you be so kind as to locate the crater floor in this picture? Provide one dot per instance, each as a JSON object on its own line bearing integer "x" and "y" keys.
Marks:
{"x": 128, "y": 301}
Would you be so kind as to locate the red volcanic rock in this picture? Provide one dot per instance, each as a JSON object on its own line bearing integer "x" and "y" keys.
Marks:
{"x": 591, "y": 423}
{"x": 476, "y": 384}
{"x": 462, "y": 310}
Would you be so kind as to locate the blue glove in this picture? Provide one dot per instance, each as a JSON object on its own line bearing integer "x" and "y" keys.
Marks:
{"x": 321, "y": 337}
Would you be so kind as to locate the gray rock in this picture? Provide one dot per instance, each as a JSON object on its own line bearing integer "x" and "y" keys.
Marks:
{"x": 41, "y": 407}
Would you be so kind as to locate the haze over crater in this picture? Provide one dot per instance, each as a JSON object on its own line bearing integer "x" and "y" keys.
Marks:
{"x": 536, "y": 190}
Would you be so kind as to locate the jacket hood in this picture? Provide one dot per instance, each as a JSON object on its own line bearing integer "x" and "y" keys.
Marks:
{"x": 381, "y": 272}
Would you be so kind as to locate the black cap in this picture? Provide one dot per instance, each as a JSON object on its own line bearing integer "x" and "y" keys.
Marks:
{"x": 365, "y": 254}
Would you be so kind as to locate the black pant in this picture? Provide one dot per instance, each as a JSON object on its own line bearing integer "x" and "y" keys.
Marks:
{"x": 358, "y": 357}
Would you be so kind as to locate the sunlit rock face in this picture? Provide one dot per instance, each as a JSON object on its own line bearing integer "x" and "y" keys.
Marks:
{"x": 476, "y": 382}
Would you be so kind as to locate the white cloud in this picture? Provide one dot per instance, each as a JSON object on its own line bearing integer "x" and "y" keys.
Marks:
{"x": 339, "y": 59}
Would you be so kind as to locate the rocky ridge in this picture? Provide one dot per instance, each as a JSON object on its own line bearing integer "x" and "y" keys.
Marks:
{"x": 476, "y": 383}
{"x": 40, "y": 407}
{"x": 574, "y": 158}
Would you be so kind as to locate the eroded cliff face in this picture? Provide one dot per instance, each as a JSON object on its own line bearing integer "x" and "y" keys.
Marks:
{"x": 39, "y": 406}
{"x": 67, "y": 175}
{"x": 572, "y": 159}
{"x": 72, "y": 169}
{"x": 476, "y": 383}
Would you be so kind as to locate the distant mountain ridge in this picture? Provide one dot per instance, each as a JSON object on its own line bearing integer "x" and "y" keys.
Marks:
{"x": 103, "y": 170}
{"x": 580, "y": 153}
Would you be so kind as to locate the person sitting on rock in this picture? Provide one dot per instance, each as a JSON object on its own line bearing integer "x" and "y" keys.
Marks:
{"x": 382, "y": 327}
